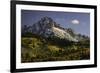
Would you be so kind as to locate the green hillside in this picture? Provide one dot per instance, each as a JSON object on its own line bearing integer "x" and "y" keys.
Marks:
{"x": 37, "y": 49}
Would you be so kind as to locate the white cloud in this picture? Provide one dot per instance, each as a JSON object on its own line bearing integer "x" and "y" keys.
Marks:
{"x": 75, "y": 21}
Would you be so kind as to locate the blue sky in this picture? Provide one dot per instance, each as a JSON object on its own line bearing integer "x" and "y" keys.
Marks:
{"x": 79, "y": 22}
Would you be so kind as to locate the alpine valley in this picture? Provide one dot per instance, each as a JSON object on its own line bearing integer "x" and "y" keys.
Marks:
{"x": 46, "y": 40}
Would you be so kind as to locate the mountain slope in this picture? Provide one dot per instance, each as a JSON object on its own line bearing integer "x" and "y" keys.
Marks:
{"x": 46, "y": 27}
{"x": 63, "y": 35}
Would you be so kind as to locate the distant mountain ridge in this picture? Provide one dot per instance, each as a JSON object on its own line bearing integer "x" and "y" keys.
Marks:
{"x": 47, "y": 27}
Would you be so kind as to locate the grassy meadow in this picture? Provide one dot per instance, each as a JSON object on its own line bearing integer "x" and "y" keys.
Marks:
{"x": 38, "y": 49}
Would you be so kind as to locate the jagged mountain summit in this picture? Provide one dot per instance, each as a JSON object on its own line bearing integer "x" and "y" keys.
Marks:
{"x": 47, "y": 27}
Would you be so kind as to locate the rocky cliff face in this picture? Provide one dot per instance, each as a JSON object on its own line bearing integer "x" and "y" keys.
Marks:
{"x": 47, "y": 27}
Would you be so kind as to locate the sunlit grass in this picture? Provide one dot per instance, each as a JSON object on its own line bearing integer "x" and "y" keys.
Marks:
{"x": 34, "y": 49}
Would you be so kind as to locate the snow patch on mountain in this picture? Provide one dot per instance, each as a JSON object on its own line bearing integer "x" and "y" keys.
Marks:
{"x": 63, "y": 35}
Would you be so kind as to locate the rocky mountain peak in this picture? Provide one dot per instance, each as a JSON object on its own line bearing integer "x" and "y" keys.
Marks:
{"x": 47, "y": 27}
